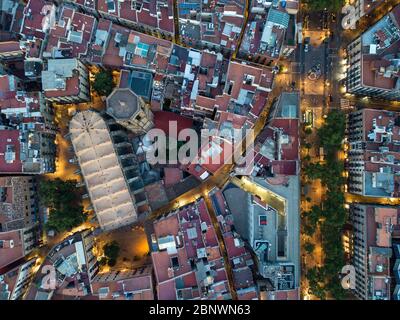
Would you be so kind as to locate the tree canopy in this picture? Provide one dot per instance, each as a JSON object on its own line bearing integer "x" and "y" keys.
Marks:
{"x": 103, "y": 83}
{"x": 331, "y": 134}
{"x": 64, "y": 203}
{"x": 309, "y": 247}
{"x": 111, "y": 252}
{"x": 331, "y": 215}
{"x": 330, "y": 5}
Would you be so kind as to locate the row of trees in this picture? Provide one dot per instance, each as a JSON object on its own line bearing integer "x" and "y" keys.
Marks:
{"x": 331, "y": 215}
{"x": 64, "y": 202}
{"x": 330, "y": 5}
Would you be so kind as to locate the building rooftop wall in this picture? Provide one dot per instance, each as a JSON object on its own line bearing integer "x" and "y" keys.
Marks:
{"x": 10, "y": 282}
{"x": 381, "y": 155}
{"x": 380, "y": 46}
{"x": 61, "y": 78}
{"x": 155, "y": 14}
{"x": 39, "y": 16}
{"x": 381, "y": 224}
{"x": 105, "y": 181}
{"x": 12, "y": 202}
{"x": 11, "y": 247}
{"x": 220, "y": 27}
{"x": 25, "y": 117}
{"x": 385, "y": 219}
{"x": 9, "y": 46}
{"x": 187, "y": 238}
{"x": 124, "y": 285}
{"x": 71, "y": 263}
{"x": 10, "y": 161}
{"x": 123, "y": 104}
{"x": 71, "y": 34}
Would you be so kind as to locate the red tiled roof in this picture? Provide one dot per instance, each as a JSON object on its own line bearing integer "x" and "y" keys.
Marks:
{"x": 290, "y": 127}
{"x": 163, "y": 119}
{"x": 259, "y": 102}
{"x": 111, "y": 56}
{"x": 205, "y": 102}
{"x": 167, "y": 290}
{"x": 191, "y": 217}
{"x": 166, "y": 21}
{"x": 140, "y": 286}
{"x": 102, "y": 7}
{"x": 172, "y": 176}
{"x": 10, "y": 137}
{"x": 370, "y": 76}
{"x": 78, "y": 22}
{"x": 284, "y": 167}
{"x": 38, "y": 11}
{"x": 9, "y": 255}
{"x": 248, "y": 295}
{"x": 144, "y": 16}
{"x": 72, "y": 88}
{"x": 231, "y": 248}
{"x": 284, "y": 295}
{"x": 9, "y": 46}
{"x": 236, "y": 74}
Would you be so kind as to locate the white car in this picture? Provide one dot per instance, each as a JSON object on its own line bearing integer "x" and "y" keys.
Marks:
{"x": 306, "y": 48}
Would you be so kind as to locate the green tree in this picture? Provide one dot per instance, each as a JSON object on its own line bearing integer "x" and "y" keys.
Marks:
{"x": 64, "y": 203}
{"x": 111, "y": 252}
{"x": 103, "y": 261}
{"x": 103, "y": 83}
{"x": 309, "y": 247}
{"x": 331, "y": 215}
{"x": 315, "y": 277}
{"x": 308, "y": 229}
{"x": 331, "y": 134}
{"x": 308, "y": 131}
{"x": 330, "y": 5}
{"x": 314, "y": 171}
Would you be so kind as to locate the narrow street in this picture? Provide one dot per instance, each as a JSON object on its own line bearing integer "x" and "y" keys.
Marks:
{"x": 221, "y": 246}
{"x": 246, "y": 17}
{"x": 176, "y": 23}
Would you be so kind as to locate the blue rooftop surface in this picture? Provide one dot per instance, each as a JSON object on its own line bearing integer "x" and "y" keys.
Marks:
{"x": 141, "y": 84}
{"x": 278, "y": 17}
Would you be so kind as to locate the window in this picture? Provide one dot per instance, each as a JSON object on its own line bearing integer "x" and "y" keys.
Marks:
{"x": 175, "y": 262}
{"x": 262, "y": 220}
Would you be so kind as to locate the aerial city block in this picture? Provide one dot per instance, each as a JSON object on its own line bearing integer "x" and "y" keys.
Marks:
{"x": 200, "y": 150}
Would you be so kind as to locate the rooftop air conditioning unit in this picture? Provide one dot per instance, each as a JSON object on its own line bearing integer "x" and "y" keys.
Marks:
{"x": 7, "y": 244}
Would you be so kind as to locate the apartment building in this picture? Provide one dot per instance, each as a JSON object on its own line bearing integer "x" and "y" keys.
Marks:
{"x": 374, "y": 154}
{"x": 372, "y": 59}
{"x": 374, "y": 228}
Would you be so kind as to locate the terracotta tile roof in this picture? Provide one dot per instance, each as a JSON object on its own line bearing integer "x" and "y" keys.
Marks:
{"x": 10, "y": 138}
{"x": 172, "y": 176}
{"x": 13, "y": 253}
